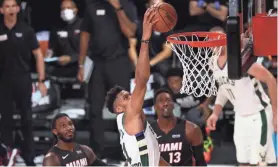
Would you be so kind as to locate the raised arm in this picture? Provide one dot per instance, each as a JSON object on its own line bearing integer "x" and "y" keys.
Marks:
{"x": 51, "y": 160}
{"x": 220, "y": 102}
{"x": 142, "y": 71}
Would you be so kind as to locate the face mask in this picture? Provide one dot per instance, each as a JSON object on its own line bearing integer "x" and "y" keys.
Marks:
{"x": 67, "y": 15}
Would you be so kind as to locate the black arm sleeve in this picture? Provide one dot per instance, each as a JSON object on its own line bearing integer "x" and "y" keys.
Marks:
{"x": 99, "y": 162}
{"x": 198, "y": 154}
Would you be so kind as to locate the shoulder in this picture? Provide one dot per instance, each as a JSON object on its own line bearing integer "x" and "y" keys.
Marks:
{"x": 51, "y": 159}
{"x": 190, "y": 128}
{"x": 86, "y": 148}
{"x": 25, "y": 26}
{"x": 193, "y": 133}
{"x": 89, "y": 153}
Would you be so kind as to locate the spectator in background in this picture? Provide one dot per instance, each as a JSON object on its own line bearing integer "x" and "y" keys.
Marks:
{"x": 159, "y": 51}
{"x": 109, "y": 24}
{"x": 208, "y": 13}
{"x": 17, "y": 41}
{"x": 194, "y": 109}
{"x": 64, "y": 43}
{"x": 182, "y": 9}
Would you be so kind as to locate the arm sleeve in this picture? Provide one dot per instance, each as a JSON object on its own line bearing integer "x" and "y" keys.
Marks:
{"x": 221, "y": 98}
{"x": 131, "y": 12}
{"x": 224, "y": 2}
{"x": 198, "y": 154}
{"x": 87, "y": 22}
{"x": 32, "y": 39}
{"x": 99, "y": 162}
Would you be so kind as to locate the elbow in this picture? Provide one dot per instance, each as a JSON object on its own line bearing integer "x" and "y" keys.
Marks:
{"x": 192, "y": 12}
{"x": 223, "y": 18}
{"x": 129, "y": 33}
{"x": 271, "y": 81}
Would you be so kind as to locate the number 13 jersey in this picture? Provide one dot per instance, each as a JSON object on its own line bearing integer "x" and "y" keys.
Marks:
{"x": 246, "y": 94}
{"x": 173, "y": 146}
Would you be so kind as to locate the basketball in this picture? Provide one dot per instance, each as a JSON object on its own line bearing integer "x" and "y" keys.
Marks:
{"x": 167, "y": 16}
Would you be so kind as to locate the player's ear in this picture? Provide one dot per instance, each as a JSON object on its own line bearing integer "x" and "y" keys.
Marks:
{"x": 17, "y": 9}
{"x": 119, "y": 109}
{"x": 75, "y": 10}
{"x": 54, "y": 131}
{"x": 155, "y": 108}
{"x": 1, "y": 10}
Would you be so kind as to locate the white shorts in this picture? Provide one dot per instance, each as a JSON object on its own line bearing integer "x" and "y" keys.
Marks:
{"x": 253, "y": 138}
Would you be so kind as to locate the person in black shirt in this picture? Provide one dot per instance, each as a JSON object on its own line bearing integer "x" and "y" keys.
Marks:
{"x": 64, "y": 43}
{"x": 17, "y": 42}
{"x": 67, "y": 152}
{"x": 207, "y": 14}
{"x": 179, "y": 141}
{"x": 108, "y": 24}
{"x": 160, "y": 51}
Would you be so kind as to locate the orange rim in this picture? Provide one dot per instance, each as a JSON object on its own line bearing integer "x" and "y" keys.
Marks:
{"x": 220, "y": 41}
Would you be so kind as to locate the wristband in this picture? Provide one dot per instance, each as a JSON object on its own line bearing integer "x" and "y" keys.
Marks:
{"x": 145, "y": 41}
{"x": 119, "y": 9}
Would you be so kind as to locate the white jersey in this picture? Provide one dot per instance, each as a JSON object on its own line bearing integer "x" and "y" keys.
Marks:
{"x": 141, "y": 149}
{"x": 246, "y": 94}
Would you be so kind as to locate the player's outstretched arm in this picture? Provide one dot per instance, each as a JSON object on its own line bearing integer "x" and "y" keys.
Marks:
{"x": 263, "y": 75}
{"x": 142, "y": 71}
{"x": 92, "y": 158}
{"x": 195, "y": 137}
{"x": 220, "y": 102}
{"x": 51, "y": 160}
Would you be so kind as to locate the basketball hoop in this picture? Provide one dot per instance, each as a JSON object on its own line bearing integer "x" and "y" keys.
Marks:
{"x": 198, "y": 53}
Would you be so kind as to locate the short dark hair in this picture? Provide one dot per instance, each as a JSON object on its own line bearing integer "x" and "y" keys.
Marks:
{"x": 53, "y": 123}
{"x": 72, "y": 1}
{"x": 174, "y": 72}
{"x": 111, "y": 97}
{"x": 2, "y": 2}
{"x": 162, "y": 90}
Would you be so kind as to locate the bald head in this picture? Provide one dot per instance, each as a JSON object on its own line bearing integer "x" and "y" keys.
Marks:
{"x": 217, "y": 29}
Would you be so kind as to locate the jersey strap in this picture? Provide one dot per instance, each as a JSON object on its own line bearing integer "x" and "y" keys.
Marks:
{"x": 143, "y": 148}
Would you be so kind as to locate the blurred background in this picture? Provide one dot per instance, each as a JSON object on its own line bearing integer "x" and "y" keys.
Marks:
{"x": 66, "y": 94}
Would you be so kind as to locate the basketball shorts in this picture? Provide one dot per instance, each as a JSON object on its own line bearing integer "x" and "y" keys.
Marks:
{"x": 253, "y": 138}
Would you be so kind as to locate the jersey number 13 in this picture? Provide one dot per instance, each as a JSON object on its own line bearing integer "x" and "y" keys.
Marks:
{"x": 175, "y": 157}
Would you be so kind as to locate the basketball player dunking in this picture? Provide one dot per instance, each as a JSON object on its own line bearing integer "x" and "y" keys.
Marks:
{"x": 254, "y": 111}
{"x": 179, "y": 141}
{"x": 137, "y": 138}
{"x": 66, "y": 152}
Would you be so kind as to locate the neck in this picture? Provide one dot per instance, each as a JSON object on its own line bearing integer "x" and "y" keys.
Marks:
{"x": 65, "y": 146}
{"x": 10, "y": 21}
{"x": 166, "y": 124}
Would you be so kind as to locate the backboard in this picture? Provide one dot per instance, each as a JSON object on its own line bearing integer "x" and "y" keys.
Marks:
{"x": 241, "y": 58}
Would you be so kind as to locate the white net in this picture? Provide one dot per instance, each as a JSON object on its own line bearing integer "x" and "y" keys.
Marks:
{"x": 198, "y": 65}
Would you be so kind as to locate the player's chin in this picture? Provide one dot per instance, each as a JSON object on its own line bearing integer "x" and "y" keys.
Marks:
{"x": 68, "y": 139}
{"x": 166, "y": 115}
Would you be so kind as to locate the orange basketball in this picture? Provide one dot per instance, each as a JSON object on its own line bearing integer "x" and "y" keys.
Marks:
{"x": 167, "y": 16}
